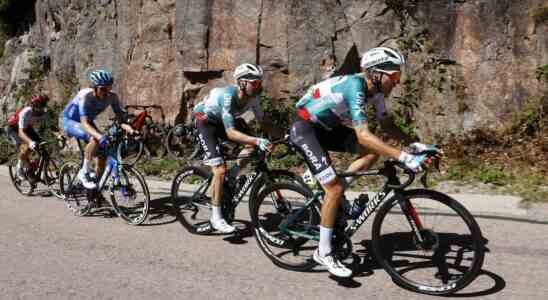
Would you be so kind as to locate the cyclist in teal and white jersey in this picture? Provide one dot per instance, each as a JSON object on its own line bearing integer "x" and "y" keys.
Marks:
{"x": 217, "y": 118}
{"x": 79, "y": 120}
{"x": 331, "y": 116}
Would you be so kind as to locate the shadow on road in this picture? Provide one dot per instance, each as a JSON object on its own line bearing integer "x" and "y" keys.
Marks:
{"x": 160, "y": 212}
{"x": 364, "y": 264}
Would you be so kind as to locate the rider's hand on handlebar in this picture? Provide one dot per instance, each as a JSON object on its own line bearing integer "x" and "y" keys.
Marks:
{"x": 431, "y": 150}
{"x": 264, "y": 144}
{"x": 414, "y": 162}
{"x": 104, "y": 141}
{"x": 33, "y": 145}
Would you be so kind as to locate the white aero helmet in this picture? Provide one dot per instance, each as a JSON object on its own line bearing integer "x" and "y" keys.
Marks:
{"x": 248, "y": 71}
{"x": 382, "y": 59}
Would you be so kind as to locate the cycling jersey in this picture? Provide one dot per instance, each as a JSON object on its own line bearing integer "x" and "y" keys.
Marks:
{"x": 222, "y": 106}
{"x": 24, "y": 118}
{"x": 85, "y": 104}
{"x": 338, "y": 100}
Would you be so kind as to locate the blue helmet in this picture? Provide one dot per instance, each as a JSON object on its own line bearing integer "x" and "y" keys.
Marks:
{"x": 101, "y": 78}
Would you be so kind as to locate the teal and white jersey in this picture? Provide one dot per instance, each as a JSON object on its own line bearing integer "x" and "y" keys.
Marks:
{"x": 335, "y": 101}
{"x": 222, "y": 105}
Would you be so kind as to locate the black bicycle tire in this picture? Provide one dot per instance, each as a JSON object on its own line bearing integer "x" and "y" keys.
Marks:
{"x": 139, "y": 154}
{"x": 460, "y": 211}
{"x": 86, "y": 209}
{"x": 262, "y": 182}
{"x": 254, "y": 204}
{"x": 11, "y": 168}
{"x": 187, "y": 171}
{"x": 144, "y": 214}
{"x": 195, "y": 146}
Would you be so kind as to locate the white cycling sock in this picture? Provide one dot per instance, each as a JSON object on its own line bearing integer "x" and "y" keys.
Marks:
{"x": 216, "y": 213}
{"x": 326, "y": 234}
{"x": 87, "y": 165}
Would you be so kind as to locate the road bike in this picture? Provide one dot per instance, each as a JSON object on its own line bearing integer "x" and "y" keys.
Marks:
{"x": 151, "y": 139}
{"x": 190, "y": 196}
{"x": 425, "y": 240}
{"x": 43, "y": 169}
{"x": 126, "y": 186}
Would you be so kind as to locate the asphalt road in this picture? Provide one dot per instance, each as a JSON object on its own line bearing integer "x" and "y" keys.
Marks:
{"x": 47, "y": 253}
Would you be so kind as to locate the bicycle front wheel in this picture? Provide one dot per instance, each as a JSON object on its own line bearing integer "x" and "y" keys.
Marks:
{"x": 130, "y": 150}
{"x": 181, "y": 143}
{"x": 286, "y": 228}
{"x": 428, "y": 242}
{"x": 191, "y": 200}
{"x": 131, "y": 197}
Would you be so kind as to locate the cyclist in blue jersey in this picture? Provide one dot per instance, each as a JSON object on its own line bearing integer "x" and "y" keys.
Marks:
{"x": 217, "y": 118}
{"x": 331, "y": 116}
{"x": 79, "y": 120}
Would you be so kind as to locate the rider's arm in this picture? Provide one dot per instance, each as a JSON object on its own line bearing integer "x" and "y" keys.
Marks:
{"x": 120, "y": 115}
{"x": 370, "y": 141}
{"x": 89, "y": 127}
{"x": 23, "y": 124}
{"x": 231, "y": 132}
{"x": 24, "y": 136}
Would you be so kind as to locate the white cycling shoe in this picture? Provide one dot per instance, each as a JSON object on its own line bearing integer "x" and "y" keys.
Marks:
{"x": 222, "y": 226}
{"x": 87, "y": 179}
{"x": 333, "y": 265}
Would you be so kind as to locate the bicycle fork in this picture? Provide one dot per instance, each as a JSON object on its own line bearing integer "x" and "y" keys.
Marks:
{"x": 412, "y": 217}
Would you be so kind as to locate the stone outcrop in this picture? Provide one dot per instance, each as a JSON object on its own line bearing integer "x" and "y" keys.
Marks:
{"x": 473, "y": 60}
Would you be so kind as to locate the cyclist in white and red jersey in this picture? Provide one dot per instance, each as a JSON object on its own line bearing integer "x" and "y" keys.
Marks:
{"x": 21, "y": 129}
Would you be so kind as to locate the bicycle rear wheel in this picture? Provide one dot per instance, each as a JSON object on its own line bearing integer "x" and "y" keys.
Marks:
{"x": 130, "y": 150}
{"x": 190, "y": 200}
{"x": 452, "y": 249}
{"x": 131, "y": 198}
{"x": 286, "y": 228}
{"x": 181, "y": 143}
{"x": 76, "y": 197}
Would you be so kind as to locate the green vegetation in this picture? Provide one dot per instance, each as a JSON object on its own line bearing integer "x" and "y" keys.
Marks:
{"x": 542, "y": 73}
{"x": 539, "y": 14}
{"x": 531, "y": 186}
{"x": 163, "y": 167}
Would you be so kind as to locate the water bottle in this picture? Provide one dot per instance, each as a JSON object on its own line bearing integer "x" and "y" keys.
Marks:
{"x": 358, "y": 206}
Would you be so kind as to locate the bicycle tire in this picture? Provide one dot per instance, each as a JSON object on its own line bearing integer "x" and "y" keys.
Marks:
{"x": 20, "y": 185}
{"x": 182, "y": 147}
{"x": 438, "y": 242}
{"x": 75, "y": 196}
{"x": 130, "y": 150}
{"x": 138, "y": 212}
{"x": 190, "y": 204}
{"x": 53, "y": 172}
{"x": 268, "y": 210}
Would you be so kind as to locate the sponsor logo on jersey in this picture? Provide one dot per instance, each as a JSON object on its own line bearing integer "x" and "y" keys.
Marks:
{"x": 316, "y": 93}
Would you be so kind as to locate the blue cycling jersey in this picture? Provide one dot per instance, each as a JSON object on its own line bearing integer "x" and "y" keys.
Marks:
{"x": 222, "y": 105}
{"x": 335, "y": 101}
{"x": 85, "y": 104}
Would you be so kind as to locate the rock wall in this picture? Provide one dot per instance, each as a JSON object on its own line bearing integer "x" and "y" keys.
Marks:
{"x": 169, "y": 51}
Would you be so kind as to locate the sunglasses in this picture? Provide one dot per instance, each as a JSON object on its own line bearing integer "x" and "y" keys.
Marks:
{"x": 394, "y": 76}
{"x": 255, "y": 83}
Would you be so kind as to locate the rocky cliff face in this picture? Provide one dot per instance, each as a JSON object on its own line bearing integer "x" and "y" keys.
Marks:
{"x": 472, "y": 62}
